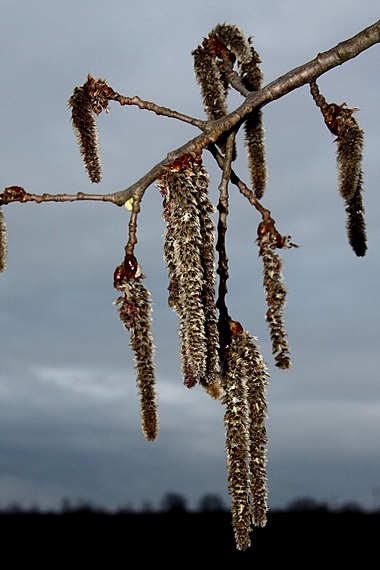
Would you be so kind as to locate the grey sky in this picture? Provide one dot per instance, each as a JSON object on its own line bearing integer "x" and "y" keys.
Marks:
{"x": 70, "y": 422}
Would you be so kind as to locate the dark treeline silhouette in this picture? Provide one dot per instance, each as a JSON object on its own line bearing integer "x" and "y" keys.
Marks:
{"x": 306, "y": 531}
{"x": 177, "y": 503}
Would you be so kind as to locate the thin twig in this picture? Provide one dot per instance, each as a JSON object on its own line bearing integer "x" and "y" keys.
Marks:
{"x": 230, "y": 74}
{"x": 222, "y": 270}
{"x": 132, "y": 238}
{"x": 239, "y": 183}
{"x": 18, "y": 194}
{"x": 150, "y": 106}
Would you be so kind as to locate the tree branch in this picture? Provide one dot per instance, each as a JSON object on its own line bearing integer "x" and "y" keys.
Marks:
{"x": 275, "y": 90}
{"x": 292, "y": 80}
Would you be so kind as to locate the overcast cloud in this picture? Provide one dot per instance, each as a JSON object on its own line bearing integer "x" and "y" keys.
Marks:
{"x": 70, "y": 422}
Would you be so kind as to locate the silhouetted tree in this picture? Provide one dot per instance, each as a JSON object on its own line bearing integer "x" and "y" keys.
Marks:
{"x": 173, "y": 503}
{"x": 306, "y": 504}
{"x": 211, "y": 503}
{"x": 216, "y": 352}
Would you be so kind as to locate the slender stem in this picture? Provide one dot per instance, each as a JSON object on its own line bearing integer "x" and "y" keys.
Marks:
{"x": 150, "y": 106}
{"x": 230, "y": 74}
{"x": 222, "y": 270}
{"x": 239, "y": 183}
{"x": 9, "y": 196}
{"x": 132, "y": 239}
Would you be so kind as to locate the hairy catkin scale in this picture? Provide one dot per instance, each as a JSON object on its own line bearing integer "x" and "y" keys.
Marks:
{"x": 135, "y": 308}
{"x": 3, "y": 242}
{"x": 356, "y": 229}
{"x": 349, "y": 154}
{"x": 84, "y": 125}
{"x": 254, "y": 128}
{"x": 275, "y": 291}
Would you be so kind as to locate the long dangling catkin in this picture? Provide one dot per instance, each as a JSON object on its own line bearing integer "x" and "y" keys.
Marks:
{"x": 208, "y": 76}
{"x": 236, "y": 422}
{"x": 190, "y": 266}
{"x": 213, "y": 86}
{"x": 3, "y": 242}
{"x": 135, "y": 308}
{"x": 350, "y": 141}
{"x": 254, "y": 127}
{"x": 185, "y": 270}
{"x": 207, "y": 227}
{"x": 257, "y": 374}
{"x": 276, "y": 298}
{"x": 349, "y": 153}
{"x": 84, "y": 125}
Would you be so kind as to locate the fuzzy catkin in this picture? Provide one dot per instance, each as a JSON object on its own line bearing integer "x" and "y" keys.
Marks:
{"x": 3, "y": 242}
{"x": 213, "y": 86}
{"x": 255, "y": 145}
{"x": 233, "y": 38}
{"x": 209, "y": 78}
{"x": 208, "y": 294}
{"x": 275, "y": 291}
{"x": 188, "y": 254}
{"x": 244, "y": 381}
{"x": 85, "y": 128}
{"x": 135, "y": 313}
{"x": 236, "y": 422}
{"x": 350, "y": 143}
{"x": 257, "y": 374}
{"x": 252, "y": 77}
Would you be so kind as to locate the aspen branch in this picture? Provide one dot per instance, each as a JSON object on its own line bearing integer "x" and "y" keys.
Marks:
{"x": 212, "y": 130}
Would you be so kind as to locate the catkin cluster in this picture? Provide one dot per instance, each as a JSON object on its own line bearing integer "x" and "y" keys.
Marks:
{"x": 244, "y": 381}
{"x": 189, "y": 255}
{"x": 135, "y": 307}
{"x": 228, "y": 41}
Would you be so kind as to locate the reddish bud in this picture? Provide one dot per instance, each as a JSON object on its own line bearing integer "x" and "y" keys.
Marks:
{"x": 118, "y": 277}
{"x": 262, "y": 229}
{"x": 235, "y": 328}
{"x": 13, "y": 194}
{"x": 130, "y": 266}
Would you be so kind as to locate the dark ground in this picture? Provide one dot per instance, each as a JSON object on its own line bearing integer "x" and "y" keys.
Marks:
{"x": 84, "y": 537}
